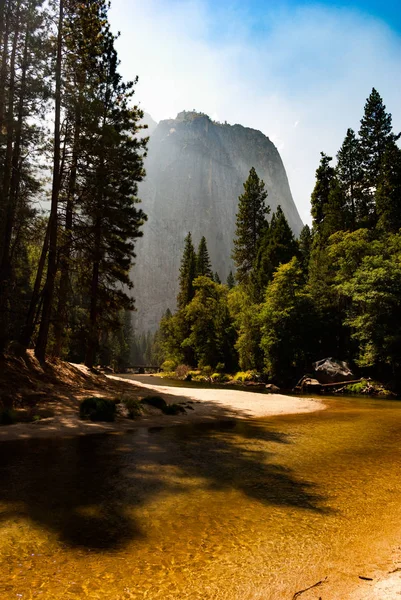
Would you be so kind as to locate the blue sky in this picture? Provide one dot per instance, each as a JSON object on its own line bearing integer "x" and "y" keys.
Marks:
{"x": 298, "y": 71}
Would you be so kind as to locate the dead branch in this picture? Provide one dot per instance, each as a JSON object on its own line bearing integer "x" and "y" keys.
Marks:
{"x": 315, "y": 585}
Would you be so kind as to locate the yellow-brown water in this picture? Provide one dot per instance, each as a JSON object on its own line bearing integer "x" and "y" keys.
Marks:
{"x": 233, "y": 511}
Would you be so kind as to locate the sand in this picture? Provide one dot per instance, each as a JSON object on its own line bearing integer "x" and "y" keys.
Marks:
{"x": 202, "y": 405}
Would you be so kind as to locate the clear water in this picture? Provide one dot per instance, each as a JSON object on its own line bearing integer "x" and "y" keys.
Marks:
{"x": 235, "y": 511}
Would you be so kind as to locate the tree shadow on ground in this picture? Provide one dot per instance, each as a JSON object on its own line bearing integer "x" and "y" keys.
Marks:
{"x": 85, "y": 489}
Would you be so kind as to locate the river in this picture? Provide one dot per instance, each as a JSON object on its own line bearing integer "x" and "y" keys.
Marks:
{"x": 253, "y": 509}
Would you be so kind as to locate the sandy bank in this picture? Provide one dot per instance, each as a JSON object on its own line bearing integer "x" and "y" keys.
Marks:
{"x": 202, "y": 405}
{"x": 241, "y": 404}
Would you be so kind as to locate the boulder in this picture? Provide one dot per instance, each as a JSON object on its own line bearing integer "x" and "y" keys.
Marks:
{"x": 331, "y": 370}
{"x": 272, "y": 389}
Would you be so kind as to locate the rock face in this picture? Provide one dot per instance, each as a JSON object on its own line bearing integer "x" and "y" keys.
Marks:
{"x": 195, "y": 171}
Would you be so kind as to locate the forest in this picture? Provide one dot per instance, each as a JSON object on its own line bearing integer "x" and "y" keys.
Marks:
{"x": 336, "y": 291}
{"x": 71, "y": 157}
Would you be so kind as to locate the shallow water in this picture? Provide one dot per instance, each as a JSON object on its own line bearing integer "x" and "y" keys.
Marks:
{"x": 234, "y": 511}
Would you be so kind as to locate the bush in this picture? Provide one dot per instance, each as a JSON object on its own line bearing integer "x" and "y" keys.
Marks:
{"x": 97, "y": 409}
{"x": 220, "y": 377}
{"x": 8, "y": 416}
{"x": 169, "y": 365}
{"x": 133, "y": 407}
{"x": 161, "y": 404}
{"x": 155, "y": 401}
{"x": 182, "y": 371}
{"x": 173, "y": 409}
{"x": 245, "y": 376}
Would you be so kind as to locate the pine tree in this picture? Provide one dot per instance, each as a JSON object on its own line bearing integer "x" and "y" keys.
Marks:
{"x": 320, "y": 194}
{"x": 388, "y": 193}
{"x": 203, "y": 264}
{"x": 278, "y": 246}
{"x": 187, "y": 273}
{"x": 349, "y": 174}
{"x": 230, "y": 280}
{"x": 305, "y": 247}
{"x": 216, "y": 277}
{"x": 250, "y": 226}
{"x": 375, "y": 135}
{"x": 23, "y": 90}
{"x": 111, "y": 219}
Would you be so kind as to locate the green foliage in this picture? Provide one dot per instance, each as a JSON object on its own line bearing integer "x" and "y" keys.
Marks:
{"x": 276, "y": 247}
{"x": 320, "y": 194}
{"x": 287, "y": 324}
{"x": 244, "y": 313}
{"x": 388, "y": 193}
{"x": 203, "y": 264}
{"x": 97, "y": 409}
{"x": 211, "y": 332}
{"x": 250, "y": 226}
{"x": 134, "y": 408}
{"x": 187, "y": 273}
{"x": 305, "y": 247}
{"x": 169, "y": 365}
{"x": 230, "y": 280}
{"x": 349, "y": 174}
{"x": 243, "y": 376}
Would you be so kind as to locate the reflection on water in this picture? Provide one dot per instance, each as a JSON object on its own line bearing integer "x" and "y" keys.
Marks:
{"x": 229, "y": 510}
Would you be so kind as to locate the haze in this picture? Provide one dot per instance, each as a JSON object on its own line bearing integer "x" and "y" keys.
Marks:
{"x": 299, "y": 72}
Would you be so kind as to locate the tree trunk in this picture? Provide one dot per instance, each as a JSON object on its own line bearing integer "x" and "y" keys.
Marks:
{"x": 61, "y": 319}
{"x": 5, "y": 267}
{"x": 48, "y": 292}
{"x": 93, "y": 336}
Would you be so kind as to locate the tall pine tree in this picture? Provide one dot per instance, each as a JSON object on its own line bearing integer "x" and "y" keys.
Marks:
{"x": 349, "y": 174}
{"x": 203, "y": 264}
{"x": 251, "y": 224}
{"x": 187, "y": 273}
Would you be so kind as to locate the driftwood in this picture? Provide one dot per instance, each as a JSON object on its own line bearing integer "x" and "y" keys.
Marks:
{"x": 365, "y": 578}
{"x": 315, "y": 585}
{"x": 326, "y": 385}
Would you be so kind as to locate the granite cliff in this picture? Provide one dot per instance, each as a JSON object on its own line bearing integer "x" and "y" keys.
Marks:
{"x": 195, "y": 169}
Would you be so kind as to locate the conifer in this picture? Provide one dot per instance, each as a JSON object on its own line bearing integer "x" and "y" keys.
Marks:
{"x": 251, "y": 224}
{"x": 203, "y": 264}
{"x": 187, "y": 273}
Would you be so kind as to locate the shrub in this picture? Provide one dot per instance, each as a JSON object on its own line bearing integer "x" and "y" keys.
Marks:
{"x": 182, "y": 371}
{"x": 8, "y": 416}
{"x": 161, "y": 404}
{"x": 245, "y": 376}
{"x": 155, "y": 401}
{"x": 220, "y": 377}
{"x": 173, "y": 409}
{"x": 133, "y": 407}
{"x": 97, "y": 409}
{"x": 169, "y": 365}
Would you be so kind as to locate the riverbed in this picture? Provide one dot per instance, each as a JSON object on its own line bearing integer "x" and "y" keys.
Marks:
{"x": 230, "y": 510}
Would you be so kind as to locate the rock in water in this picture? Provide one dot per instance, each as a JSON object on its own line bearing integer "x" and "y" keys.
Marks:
{"x": 195, "y": 170}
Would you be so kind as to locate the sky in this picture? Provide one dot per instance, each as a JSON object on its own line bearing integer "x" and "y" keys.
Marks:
{"x": 298, "y": 71}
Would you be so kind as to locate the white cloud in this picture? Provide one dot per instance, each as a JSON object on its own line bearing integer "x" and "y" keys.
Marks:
{"x": 303, "y": 84}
